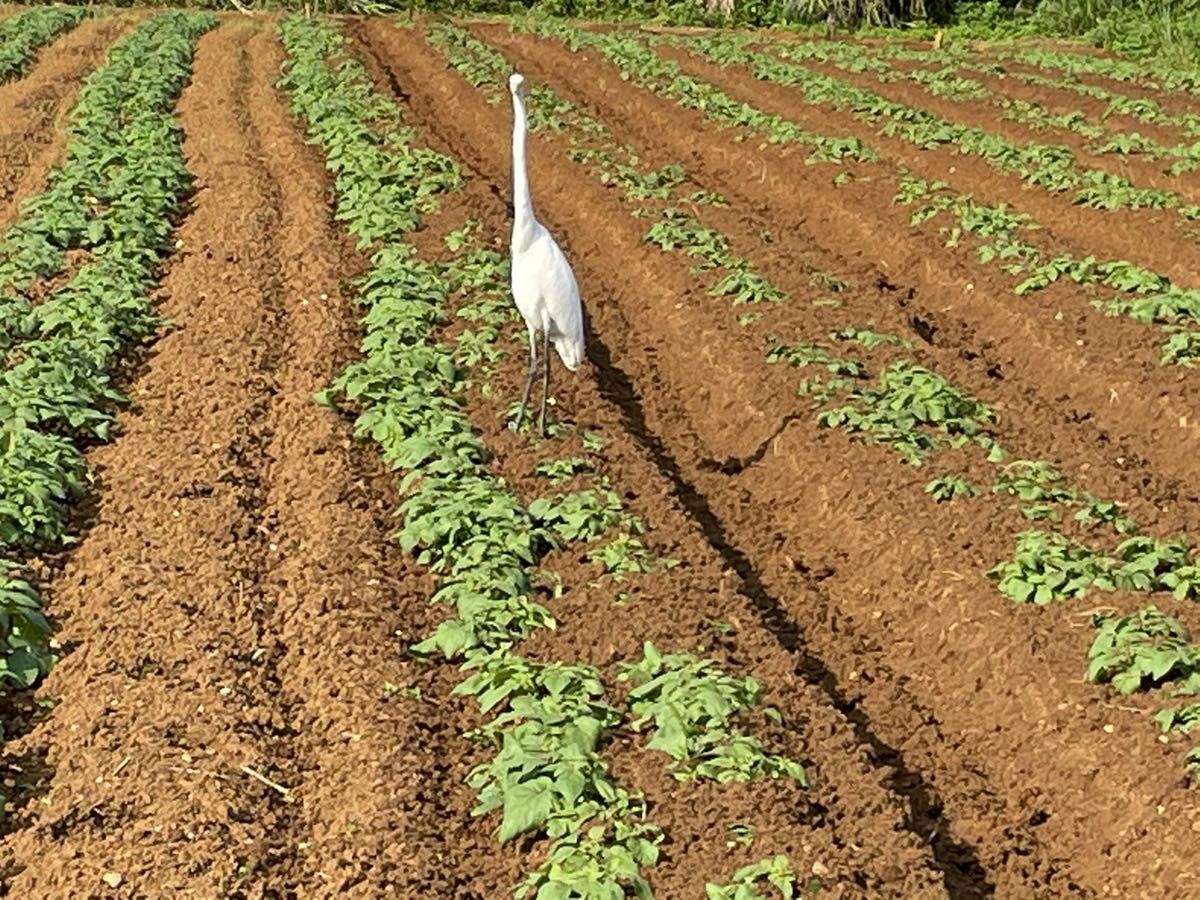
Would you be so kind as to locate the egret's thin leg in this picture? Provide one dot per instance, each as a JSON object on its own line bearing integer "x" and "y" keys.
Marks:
{"x": 529, "y": 380}
{"x": 545, "y": 380}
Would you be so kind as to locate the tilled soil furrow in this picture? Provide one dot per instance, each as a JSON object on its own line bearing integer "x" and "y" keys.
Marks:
{"x": 206, "y": 604}
{"x": 1034, "y": 423}
{"x": 385, "y": 776}
{"x": 33, "y": 109}
{"x": 607, "y": 237}
{"x": 1102, "y": 369}
{"x": 899, "y": 611}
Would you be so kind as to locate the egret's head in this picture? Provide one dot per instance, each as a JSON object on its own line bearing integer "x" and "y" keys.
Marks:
{"x": 516, "y": 84}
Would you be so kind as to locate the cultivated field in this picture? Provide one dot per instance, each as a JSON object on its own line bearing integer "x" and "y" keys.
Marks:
{"x": 857, "y": 560}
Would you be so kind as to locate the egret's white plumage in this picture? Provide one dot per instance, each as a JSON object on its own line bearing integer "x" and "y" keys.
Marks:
{"x": 543, "y": 284}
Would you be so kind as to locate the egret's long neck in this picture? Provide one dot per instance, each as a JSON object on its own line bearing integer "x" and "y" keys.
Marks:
{"x": 522, "y": 203}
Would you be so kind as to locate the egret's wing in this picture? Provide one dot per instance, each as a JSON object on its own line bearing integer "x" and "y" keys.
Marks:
{"x": 559, "y": 291}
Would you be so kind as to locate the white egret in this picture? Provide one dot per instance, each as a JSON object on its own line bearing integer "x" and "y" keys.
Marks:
{"x": 543, "y": 284}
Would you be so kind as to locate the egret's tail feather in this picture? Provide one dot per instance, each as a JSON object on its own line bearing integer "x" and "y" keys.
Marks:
{"x": 571, "y": 353}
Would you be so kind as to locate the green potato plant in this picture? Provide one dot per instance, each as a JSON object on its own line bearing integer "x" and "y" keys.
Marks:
{"x": 23, "y": 35}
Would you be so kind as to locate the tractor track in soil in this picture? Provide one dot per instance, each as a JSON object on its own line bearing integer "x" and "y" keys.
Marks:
{"x": 34, "y": 108}
{"x": 997, "y": 716}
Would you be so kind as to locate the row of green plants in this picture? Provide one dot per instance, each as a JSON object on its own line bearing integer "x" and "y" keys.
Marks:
{"x": 1149, "y": 651}
{"x": 1165, "y": 78}
{"x": 775, "y": 871}
{"x": 946, "y": 81}
{"x": 1001, "y": 237}
{"x": 916, "y": 413}
{"x": 547, "y": 723}
{"x": 549, "y": 719}
{"x": 24, "y": 34}
{"x": 1144, "y": 109}
{"x": 114, "y": 202}
{"x": 1050, "y": 167}
{"x": 1137, "y": 293}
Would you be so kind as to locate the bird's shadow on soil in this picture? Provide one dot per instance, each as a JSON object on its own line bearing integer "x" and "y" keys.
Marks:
{"x": 957, "y": 861}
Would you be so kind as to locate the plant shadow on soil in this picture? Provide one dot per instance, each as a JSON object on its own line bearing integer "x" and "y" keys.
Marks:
{"x": 964, "y": 876}
{"x": 26, "y": 776}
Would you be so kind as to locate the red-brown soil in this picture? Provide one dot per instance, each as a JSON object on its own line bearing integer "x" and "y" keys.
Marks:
{"x": 934, "y": 656}
{"x": 984, "y": 114}
{"x": 34, "y": 108}
{"x": 235, "y": 713}
{"x": 234, "y": 602}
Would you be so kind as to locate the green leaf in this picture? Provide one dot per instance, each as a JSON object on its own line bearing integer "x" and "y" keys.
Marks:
{"x": 526, "y": 808}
